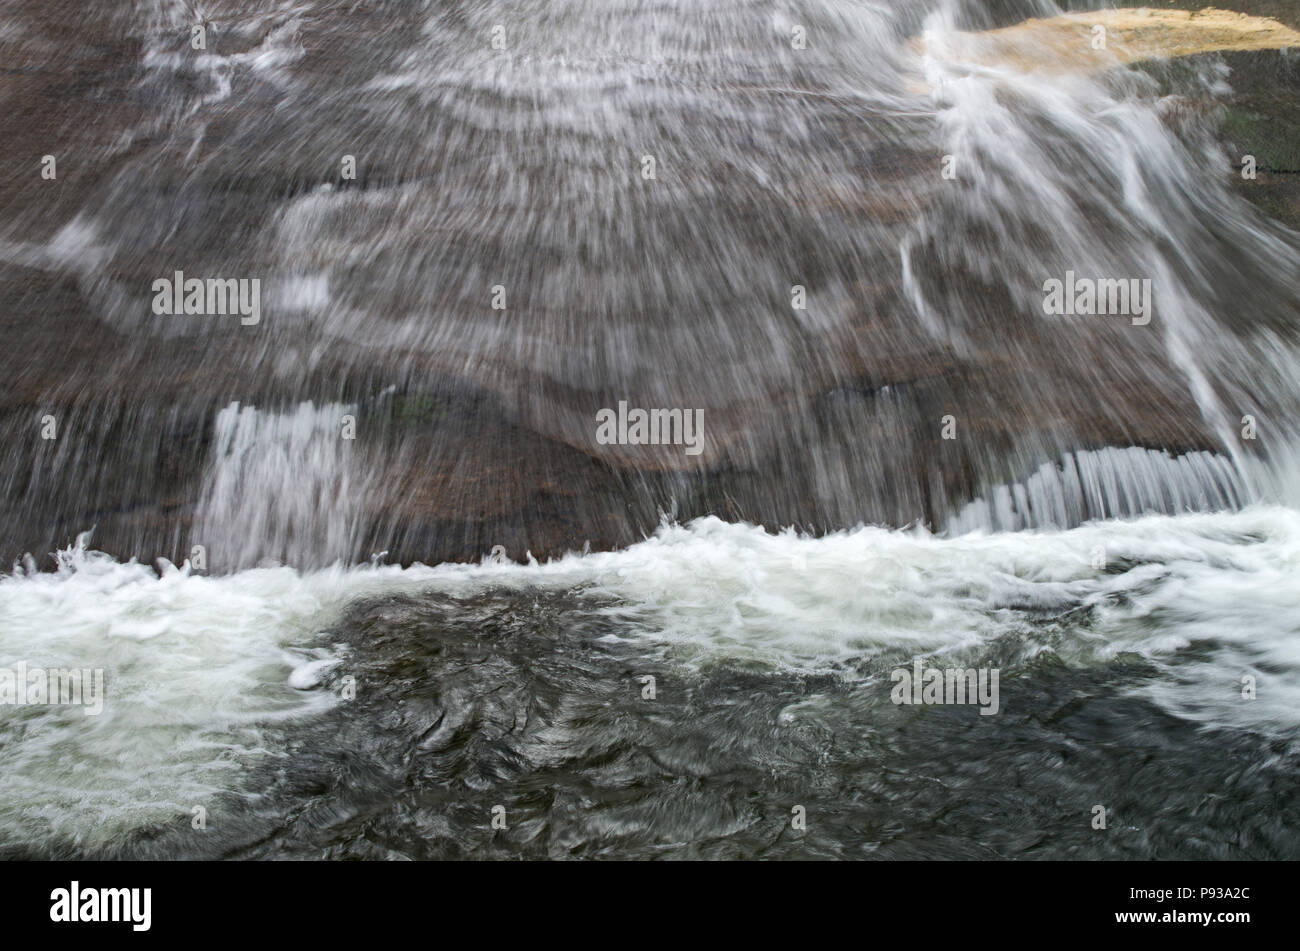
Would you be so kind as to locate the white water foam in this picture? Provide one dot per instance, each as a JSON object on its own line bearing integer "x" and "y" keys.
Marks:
{"x": 197, "y": 667}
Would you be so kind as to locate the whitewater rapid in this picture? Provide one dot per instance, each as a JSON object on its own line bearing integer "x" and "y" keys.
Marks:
{"x": 202, "y": 673}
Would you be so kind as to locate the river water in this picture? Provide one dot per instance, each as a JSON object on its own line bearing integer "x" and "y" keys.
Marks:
{"x": 347, "y": 672}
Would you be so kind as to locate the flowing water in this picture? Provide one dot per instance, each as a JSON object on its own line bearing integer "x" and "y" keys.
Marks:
{"x": 524, "y": 687}
{"x": 341, "y": 669}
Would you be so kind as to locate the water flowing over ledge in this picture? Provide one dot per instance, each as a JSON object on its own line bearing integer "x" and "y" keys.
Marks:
{"x": 369, "y": 576}
{"x": 821, "y": 168}
{"x": 1107, "y": 483}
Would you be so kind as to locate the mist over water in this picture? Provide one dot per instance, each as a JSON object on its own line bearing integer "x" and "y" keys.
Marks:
{"x": 914, "y": 461}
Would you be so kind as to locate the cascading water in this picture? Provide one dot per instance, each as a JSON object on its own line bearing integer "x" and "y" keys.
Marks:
{"x": 826, "y": 226}
{"x": 518, "y": 177}
{"x": 1106, "y": 483}
{"x": 270, "y": 481}
{"x": 1135, "y": 202}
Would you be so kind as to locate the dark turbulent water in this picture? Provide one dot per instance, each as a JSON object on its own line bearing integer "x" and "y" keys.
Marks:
{"x": 1101, "y": 531}
{"x": 423, "y": 699}
{"x": 496, "y": 701}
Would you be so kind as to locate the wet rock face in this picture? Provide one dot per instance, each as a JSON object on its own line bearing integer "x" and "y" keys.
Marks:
{"x": 791, "y": 261}
{"x": 1263, "y": 120}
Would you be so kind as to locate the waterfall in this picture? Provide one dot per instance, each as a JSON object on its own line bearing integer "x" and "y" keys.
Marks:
{"x": 824, "y": 228}
{"x": 1106, "y": 483}
{"x": 616, "y": 429}
{"x": 279, "y": 487}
